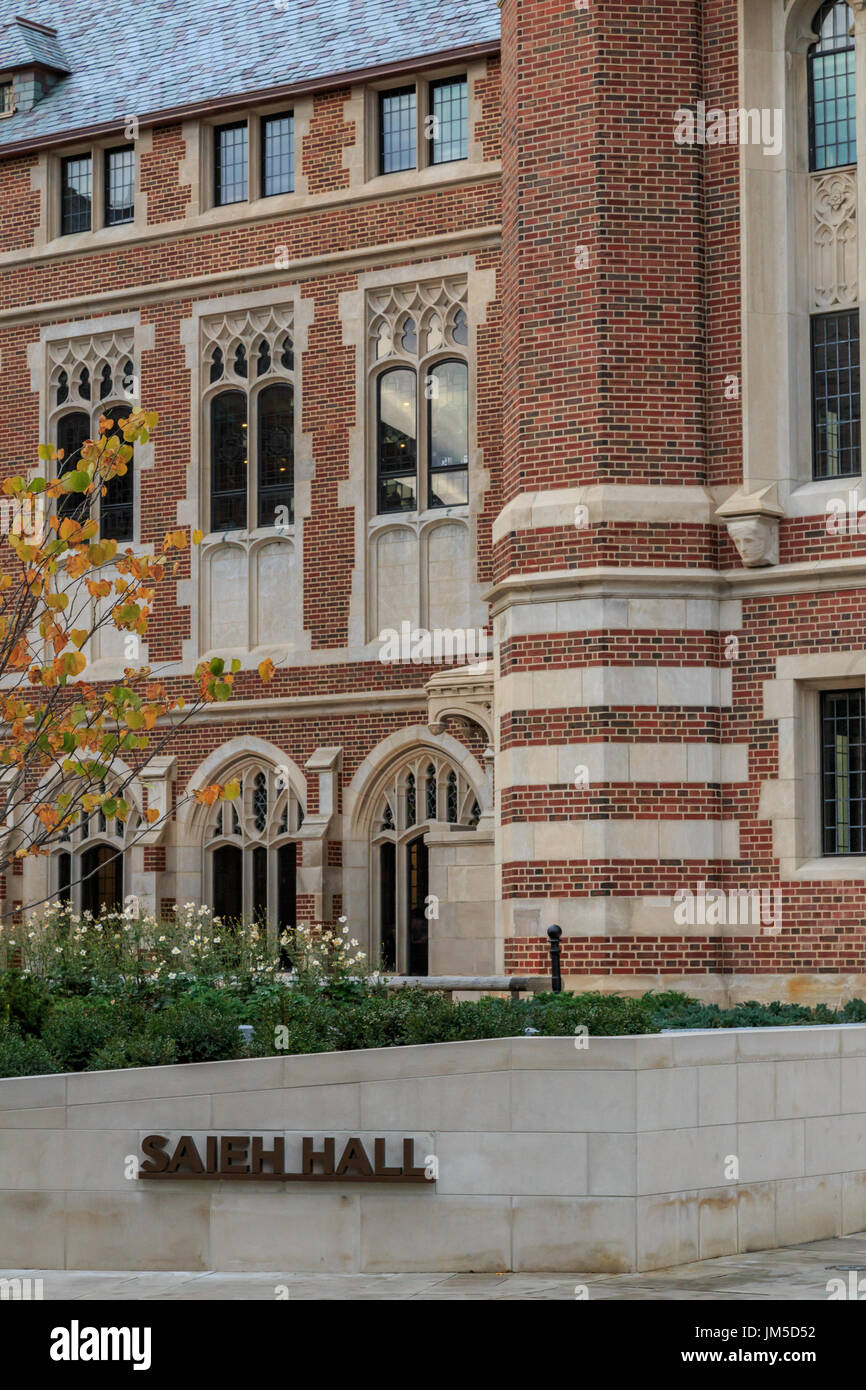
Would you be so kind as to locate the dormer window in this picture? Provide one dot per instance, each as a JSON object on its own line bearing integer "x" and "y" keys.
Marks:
{"x": 32, "y": 58}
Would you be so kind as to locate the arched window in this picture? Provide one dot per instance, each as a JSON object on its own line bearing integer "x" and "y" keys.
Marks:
{"x": 101, "y": 879}
{"x": 448, "y": 435}
{"x": 251, "y": 849}
{"x": 421, "y": 793}
{"x": 228, "y": 461}
{"x": 276, "y": 421}
{"x": 117, "y": 506}
{"x": 72, "y": 431}
{"x": 252, "y": 422}
{"x": 88, "y": 869}
{"x": 832, "y": 115}
{"x": 397, "y": 436}
{"x": 420, "y": 395}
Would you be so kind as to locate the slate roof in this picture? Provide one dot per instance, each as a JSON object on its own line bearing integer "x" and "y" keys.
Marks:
{"x": 144, "y": 56}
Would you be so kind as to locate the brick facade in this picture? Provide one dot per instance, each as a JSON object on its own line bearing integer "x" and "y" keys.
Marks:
{"x": 635, "y": 749}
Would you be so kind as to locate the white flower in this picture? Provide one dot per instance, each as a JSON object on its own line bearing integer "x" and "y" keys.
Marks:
{"x": 176, "y": 951}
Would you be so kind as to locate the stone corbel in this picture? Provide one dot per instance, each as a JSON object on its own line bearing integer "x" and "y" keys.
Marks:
{"x": 753, "y": 520}
{"x": 463, "y": 692}
{"x": 156, "y": 780}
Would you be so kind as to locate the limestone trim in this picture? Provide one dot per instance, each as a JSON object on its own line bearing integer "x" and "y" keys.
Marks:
{"x": 45, "y": 178}
{"x": 792, "y": 801}
{"x": 383, "y": 300}
{"x": 239, "y": 565}
{"x": 463, "y": 693}
{"x": 593, "y": 504}
{"x": 305, "y": 268}
{"x": 803, "y": 248}
{"x": 263, "y": 210}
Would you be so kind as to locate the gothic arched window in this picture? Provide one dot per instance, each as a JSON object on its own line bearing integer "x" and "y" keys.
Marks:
{"x": 448, "y": 435}
{"x": 252, "y": 421}
{"x": 72, "y": 431}
{"x": 88, "y": 867}
{"x": 835, "y": 336}
{"x": 228, "y": 461}
{"x": 276, "y": 452}
{"x": 90, "y": 379}
{"x": 251, "y": 848}
{"x": 397, "y": 440}
{"x": 421, "y": 793}
{"x": 832, "y": 116}
{"x": 117, "y": 506}
{"x": 422, "y": 407}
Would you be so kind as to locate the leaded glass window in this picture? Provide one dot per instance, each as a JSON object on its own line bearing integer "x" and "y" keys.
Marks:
{"x": 832, "y": 115}
{"x": 836, "y": 394}
{"x": 449, "y": 109}
{"x": 397, "y": 440}
{"x": 72, "y": 431}
{"x": 397, "y": 134}
{"x": 228, "y": 461}
{"x": 843, "y": 769}
{"x": 230, "y": 175}
{"x": 278, "y": 154}
{"x": 119, "y": 186}
{"x": 76, "y": 194}
{"x": 448, "y": 434}
{"x": 276, "y": 421}
{"x": 117, "y": 507}
{"x": 260, "y": 801}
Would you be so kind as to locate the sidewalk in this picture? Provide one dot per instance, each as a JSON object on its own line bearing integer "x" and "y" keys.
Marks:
{"x": 796, "y": 1273}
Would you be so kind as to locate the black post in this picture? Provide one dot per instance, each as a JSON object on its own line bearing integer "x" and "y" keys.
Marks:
{"x": 553, "y": 934}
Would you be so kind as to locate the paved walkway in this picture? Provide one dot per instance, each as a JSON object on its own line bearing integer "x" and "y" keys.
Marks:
{"x": 796, "y": 1273}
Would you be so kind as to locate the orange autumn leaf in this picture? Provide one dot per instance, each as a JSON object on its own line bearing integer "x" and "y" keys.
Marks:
{"x": 266, "y": 670}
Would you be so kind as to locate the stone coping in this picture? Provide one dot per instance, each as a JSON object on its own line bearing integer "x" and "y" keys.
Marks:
{"x": 637, "y": 1052}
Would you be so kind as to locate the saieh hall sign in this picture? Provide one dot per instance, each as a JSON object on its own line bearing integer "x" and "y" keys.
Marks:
{"x": 254, "y": 1158}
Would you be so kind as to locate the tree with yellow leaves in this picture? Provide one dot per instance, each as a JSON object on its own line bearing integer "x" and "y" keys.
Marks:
{"x": 66, "y": 743}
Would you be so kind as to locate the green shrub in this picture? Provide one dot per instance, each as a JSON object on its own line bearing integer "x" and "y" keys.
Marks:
{"x": 24, "y": 1001}
{"x": 604, "y": 1015}
{"x": 309, "y": 1025}
{"x": 201, "y": 1031}
{"x": 25, "y": 1056}
{"x": 79, "y": 1028}
{"x": 137, "y": 1050}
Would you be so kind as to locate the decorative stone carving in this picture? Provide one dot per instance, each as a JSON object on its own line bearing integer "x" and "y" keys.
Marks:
{"x": 84, "y": 370}
{"x": 232, "y": 345}
{"x": 412, "y": 321}
{"x": 753, "y": 525}
{"x": 834, "y": 244}
{"x": 464, "y": 692}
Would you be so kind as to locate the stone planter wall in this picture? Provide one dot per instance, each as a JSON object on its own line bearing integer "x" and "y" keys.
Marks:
{"x": 614, "y": 1157}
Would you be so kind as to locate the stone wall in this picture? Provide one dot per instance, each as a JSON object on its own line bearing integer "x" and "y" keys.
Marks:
{"x": 617, "y": 1156}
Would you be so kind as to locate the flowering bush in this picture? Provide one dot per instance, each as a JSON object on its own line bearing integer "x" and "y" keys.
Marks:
{"x": 327, "y": 962}
{"x": 126, "y": 953}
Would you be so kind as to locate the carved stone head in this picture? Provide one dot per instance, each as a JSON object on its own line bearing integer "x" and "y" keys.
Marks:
{"x": 756, "y": 539}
